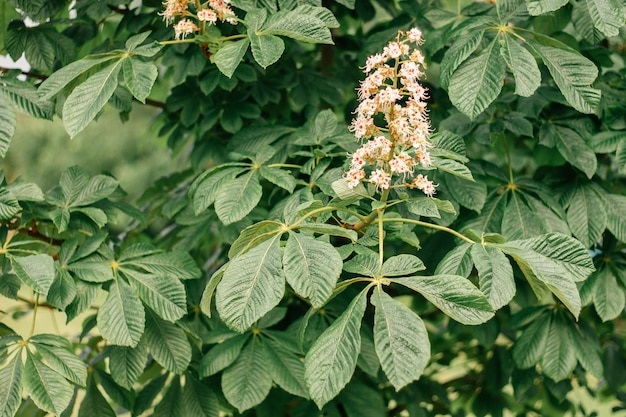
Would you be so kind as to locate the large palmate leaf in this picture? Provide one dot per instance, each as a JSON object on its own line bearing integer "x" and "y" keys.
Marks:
{"x": 523, "y": 65}
{"x": 222, "y": 355}
{"x": 331, "y": 360}
{"x": 166, "y": 296}
{"x": 531, "y": 344}
{"x": 402, "y": 265}
{"x": 49, "y": 390}
{"x": 248, "y": 381}
{"x": 139, "y": 77}
{"x": 252, "y": 285}
{"x": 11, "y": 386}
{"x": 229, "y": 56}
{"x": 574, "y": 148}
{"x": 454, "y": 295}
{"x": 121, "y": 318}
{"x": 8, "y": 120}
{"x": 266, "y": 49}
{"x": 36, "y": 271}
{"x": 572, "y": 73}
{"x": 401, "y": 340}
{"x": 167, "y": 343}
{"x": 460, "y": 50}
{"x": 607, "y": 15}
{"x": 608, "y": 297}
{"x": 478, "y": 81}
{"x": 286, "y": 368}
{"x": 64, "y": 362}
{"x": 199, "y": 400}
{"x": 556, "y": 260}
{"x": 86, "y": 101}
{"x": 495, "y": 275}
{"x": 126, "y": 363}
{"x": 586, "y": 215}
{"x": 302, "y": 27}
{"x": 94, "y": 404}
{"x": 236, "y": 198}
{"x": 537, "y": 7}
{"x": 559, "y": 357}
{"x": 311, "y": 267}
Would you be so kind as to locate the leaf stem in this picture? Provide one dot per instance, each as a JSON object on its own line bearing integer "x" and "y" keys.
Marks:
{"x": 175, "y": 41}
{"x": 232, "y": 37}
{"x": 508, "y": 159}
{"x": 284, "y": 166}
{"x": 324, "y": 209}
{"x": 431, "y": 226}
{"x": 32, "y": 326}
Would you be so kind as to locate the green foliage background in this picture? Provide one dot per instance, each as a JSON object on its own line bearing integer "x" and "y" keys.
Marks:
{"x": 249, "y": 279}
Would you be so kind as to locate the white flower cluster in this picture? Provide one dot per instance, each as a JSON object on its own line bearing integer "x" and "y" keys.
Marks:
{"x": 209, "y": 12}
{"x": 392, "y": 89}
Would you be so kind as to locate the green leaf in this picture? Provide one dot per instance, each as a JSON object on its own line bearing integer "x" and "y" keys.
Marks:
{"x": 615, "y": 206}
{"x": 559, "y": 358}
{"x": 48, "y": 389}
{"x": 286, "y": 368}
{"x": 63, "y": 289}
{"x": 364, "y": 264}
{"x": 423, "y": 206}
{"x": 199, "y": 400}
{"x": 401, "y": 340}
{"x": 556, "y": 260}
{"x": 620, "y": 158}
{"x": 98, "y": 216}
{"x": 457, "y": 262}
{"x": 537, "y": 7}
{"x": 222, "y": 355}
{"x": 478, "y": 81}
{"x": 121, "y": 318}
{"x": 64, "y": 362}
{"x": 607, "y": 15}
{"x": 167, "y": 343}
{"x": 453, "y": 167}
{"x": 402, "y": 265}
{"x": 452, "y": 294}
{"x": 8, "y": 120}
{"x": 266, "y": 50}
{"x": 470, "y": 194}
{"x": 572, "y": 73}
{"x": 229, "y": 56}
{"x": 607, "y": 141}
{"x": 248, "y": 381}
{"x": 330, "y": 229}
{"x": 139, "y": 77}
{"x": 284, "y": 179}
{"x": 531, "y": 344}
{"x": 206, "y": 186}
{"x": 575, "y": 149}
{"x": 88, "y": 98}
{"x": 94, "y": 404}
{"x": 587, "y": 351}
{"x": 126, "y": 363}
{"x": 608, "y": 296}
{"x": 301, "y": 27}
{"x": 165, "y": 295}
{"x": 175, "y": 264}
{"x": 61, "y": 78}
{"x": 253, "y": 235}
{"x": 9, "y": 206}
{"x": 523, "y": 65}
{"x": 460, "y": 50}
{"x": 170, "y": 405}
{"x": 91, "y": 271}
{"x": 95, "y": 189}
{"x": 11, "y": 386}
{"x": 36, "y": 271}
{"x": 236, "y": 198}
{"x": 312, "y": 267}
{"x": 331, "y": 360}
{"x": 495, "y": 275}
{"x": 586, "y": 215}
{"x": 252, "y": 285}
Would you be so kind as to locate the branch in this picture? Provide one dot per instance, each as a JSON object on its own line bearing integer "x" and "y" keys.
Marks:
{"x": 149, "y": 102}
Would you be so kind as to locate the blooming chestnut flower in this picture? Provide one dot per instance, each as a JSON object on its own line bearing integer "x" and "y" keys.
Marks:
{"x": 183, "y": 28}
{"x": 391, "y": 89}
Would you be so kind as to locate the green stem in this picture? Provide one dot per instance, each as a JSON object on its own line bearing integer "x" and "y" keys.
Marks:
{"x": 381, "y": 242}
{"x": 508, "y": 160}
{"x": 431, "y": 226}
{"x": 284, "y": 166}
{"x": 175, "y": 41}
{"x": 322, "y": 210}
{"x": 232, "y": 37}
{"x": 32, "y": 327}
